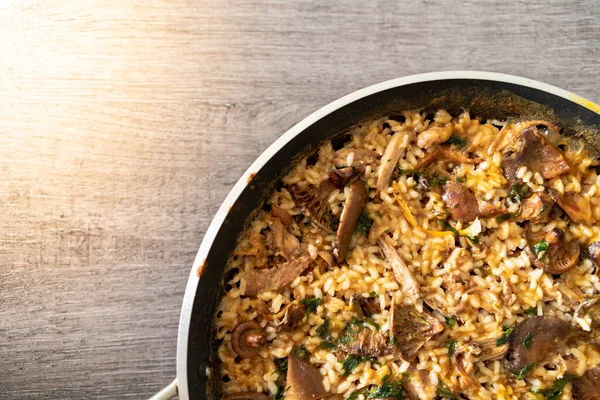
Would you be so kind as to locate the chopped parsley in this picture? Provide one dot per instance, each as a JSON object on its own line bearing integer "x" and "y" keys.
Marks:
{"x": 373, "y": 294}
{"x": 364, "y": 224}
{"x": 451, "y": 321}
{"x": 437, "y": 181}
{"x": 533, "y": 311}
{"x": 323, "y": 330}
{"x": 444, "y": 392}
{"x": 450, "y": 228}
{"x": 451, "y": 346}
{"x": 506, "y": 217}
{"x": 327, "y": 345}
{"x": 282, "y": 365}
{"x": 404, "y": 171}
{"x": 527, "y": 341}
{"x": 332, "y": 221}
{"x": 351, "y": 362}
{"x": 390, "y": 389}
{"x": 311, "y": 304}
{"x": 302, "y": 352}
{"x": 461, "y": 179}
{"x": 544, "y": 208}
{"x": 540, "y": 249}
{"x": 517, "y": 192}
{"x": 506, "y": 331}
{"x": 523, "y": 372}
{"x": 456, "y": 141}
{"x": 554, "y": 392}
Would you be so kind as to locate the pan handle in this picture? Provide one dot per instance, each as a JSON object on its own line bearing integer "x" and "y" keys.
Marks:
{"x": 168, "y": 392}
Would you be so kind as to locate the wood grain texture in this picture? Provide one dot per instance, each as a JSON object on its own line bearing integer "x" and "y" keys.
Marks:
{"x": 123, "y": 125}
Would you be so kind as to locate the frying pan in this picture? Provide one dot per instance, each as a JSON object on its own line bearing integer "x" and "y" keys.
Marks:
{"x": 486, "y": 95}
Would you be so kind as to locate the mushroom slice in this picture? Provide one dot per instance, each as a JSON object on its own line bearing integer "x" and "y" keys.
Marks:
{"x": 275, "y": 278}
{"x": 577, "y": 206}
{"x": 355, "y": 204}
{"x": 434, "y": 135}
{"x": 590, "y": 308}
{"x": 461, "y": 203}
{"x": 419, "y": 385}
{"x": 411, "y": 329}
{"x": 534, "y": 339}
{"x": 341, "y": 176}
{"x": 466, "y": 355}
{"x": 246, "y": 396}
{"x": 367, "y": 343}
{"x": 360, "y": 157}
{"x": 403, "y": 275}
{"x": 247, "y": 339}
{"x": 446, "y": 154}
{"x": 314, "y": 200}
{"x": 593, "y": 252}
{"x": 551, "y": 252}
{"x": 538, "y": 154}
{"x": 587, "y": 387}
{"x": 280, "y": 213}
{"x": 292, "y": 314}
{"x": 391, "y": 155}
{"x": 303, "y": 379}
{"x": 536, "y": 208}
{"x": 288, "y": 244}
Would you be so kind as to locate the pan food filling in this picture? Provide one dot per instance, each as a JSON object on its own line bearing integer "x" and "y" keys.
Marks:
{"x": 429, "y": 256}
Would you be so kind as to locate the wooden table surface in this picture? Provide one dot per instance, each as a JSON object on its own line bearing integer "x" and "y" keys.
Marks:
{"x": 124, "y": 123}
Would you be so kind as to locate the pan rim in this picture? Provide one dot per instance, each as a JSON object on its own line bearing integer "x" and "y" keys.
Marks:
{"x": 277, "y": 145}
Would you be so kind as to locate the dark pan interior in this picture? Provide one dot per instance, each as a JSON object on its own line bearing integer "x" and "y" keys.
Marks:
{"x": 485, "y": 99}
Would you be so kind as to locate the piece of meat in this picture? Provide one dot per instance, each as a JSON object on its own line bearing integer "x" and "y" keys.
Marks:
{"x": 283, "y": 215}
{"x": 419, "y": 386}
{"x": 587, "y": 387}
{"x": 538, "y": 154}
{"x": 369, "y": 305}
{"x": 536, "y": 208}
{"x": 288, "y": 244}
{"x": 353, "y": 209}
{"x": 275, "y": 279}
{"x": 411, "y": 329}
{"x": 360, "y": 157}
{"x": 434, "y": 135}
{"x": 340, "y": 177}
{"x": 461, "y": 203}
{"x": 544, "y": 335}
{"x": 405, "y": 278}
{"x": 304, "y": 381}
{"x": 368, "y": 343}
{"x": 391, "y": 155}
{"x": 577, "y": 206}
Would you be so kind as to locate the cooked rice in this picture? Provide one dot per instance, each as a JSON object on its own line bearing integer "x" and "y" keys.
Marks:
{"x": 506, "y": 282}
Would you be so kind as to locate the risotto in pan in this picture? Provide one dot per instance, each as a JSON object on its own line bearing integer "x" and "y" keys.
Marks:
{"x": 426, "y": 257}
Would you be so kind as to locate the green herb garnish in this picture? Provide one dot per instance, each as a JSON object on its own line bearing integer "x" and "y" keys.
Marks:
{"x": 444, "y": 392}
{"x": 364, "y": 224}
{"x": 523, "y": 372}
{"x": 311, "y": 304}
{"x": 544, "y": 208}
{"x": 461, "y": 179}
{"x": 327, "y": 345}
{"x": 302, "y": 352}
{"x": 517, "y": 192}
{"x": 527, "y": 341}
{"x": 437, "y": 181}
{"x": 451, "y": 346}
{"x": 450, "y": 228}
{"x": 373, "y": 294}
{"x": 332, "y": 221}
{"x": 351, "y": 362}
{"x": 506, "y": 331}
{"x": 554, "y": 392}
{"x": 540, "y": 249}
{"x": 323, "y": 330}
{"x": 506, "y": 217}
{"x": 404, "y": 171}
{"x": 456, "y": 141}
{"x": 282, "y": 365}
{"x": 451, "y": 321}
{"x": 533, "y": 311}
{"x": 390, "y": 389}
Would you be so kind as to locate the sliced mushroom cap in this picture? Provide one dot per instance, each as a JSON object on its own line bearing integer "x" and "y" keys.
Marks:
{"x": 405, "y": 278}
{"x": 593, "y": 252}
{"x": 314, "y": 200}
{"x": 340, "y": 177}
{"x": 587, "y": 387}
{"x": 419, "y": 385}
{"x": 355, "y": 204}
{"x": 292, "y": 314}
{"x": 276, "y": 278}
{"x": 391, "y": 155}
{"x": 448, "y": 155}
{"x": 411, "y": 329}
{"x": 551, "y": 252}
{"x": 577, "y": 206}
{"x": 368, "y": 343}
{"x": 466, "y": 355}
{"x": 369, "y": 305}
{"x": 460, "y": 202}
{"x": 247, "y": 339}
{"x": 536, "y": 208}
{"x": 534, "y": 339}
{"x": 590, "y": 308}
{"x": 246, "y": 396}
{"x": 287, "y": 244}
{"x": 303, "y": 379}
{"x": 538, "y": 154}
